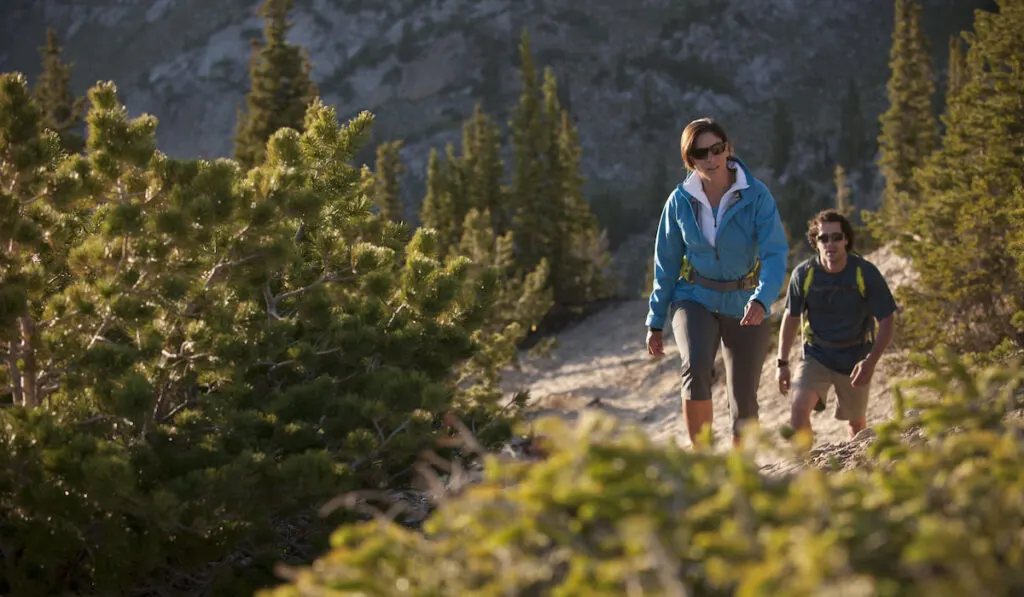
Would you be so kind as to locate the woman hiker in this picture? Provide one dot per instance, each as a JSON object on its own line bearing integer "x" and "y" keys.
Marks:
{"x": 719, "y": 263}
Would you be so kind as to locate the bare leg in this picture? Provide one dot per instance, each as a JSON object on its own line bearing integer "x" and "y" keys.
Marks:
{"x": 699, "y": 414}
{"x": 856, "y": 426}
{"x": 800, "y": 413}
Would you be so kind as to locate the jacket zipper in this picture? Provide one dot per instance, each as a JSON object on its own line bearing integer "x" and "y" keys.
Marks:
{"x": 739, "y": 197}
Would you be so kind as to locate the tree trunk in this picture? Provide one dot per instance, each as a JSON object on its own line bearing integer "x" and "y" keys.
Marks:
{"x": 30, "y": 374}
{"x": 15, "y": 372}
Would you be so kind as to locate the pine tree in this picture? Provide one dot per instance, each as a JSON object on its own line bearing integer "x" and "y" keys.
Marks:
{"x": 483, "y": 169}
{"x": 438, "y": 211}
{"x": 528, "y": 134}
{"x": 249, "y": 343}
{"x": 387, "y": 186}
{"x": 965, "y": 244}
{"x": 586, "y": 261}
{"x": 552, "y": 220}
{"x": 561, "y": 183}
{"x": 956, "y": 72}
{"x": 853, "y": 148}
{"x": 61, "y": 111}
{"x": 466, "y": 181}
{"x": 280, "y": 86}
{"x": 842, "y": 191}
{"x": 565, "y": 95}
{"x": 462, "y": 191}
{"x": 909, "y": 126}
{"x": 782, "y": 139}
{"x": 44, "y": 193}
{"x": 543, "y": 207}
{"x": 522, "y": 302}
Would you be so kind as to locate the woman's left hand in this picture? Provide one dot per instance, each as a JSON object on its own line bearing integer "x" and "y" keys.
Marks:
{"x": 754, "y": 314}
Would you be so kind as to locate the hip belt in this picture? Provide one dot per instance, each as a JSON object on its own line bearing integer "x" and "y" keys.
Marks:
{"x": 848, "y": 344}
{"x": 747, "y": 282}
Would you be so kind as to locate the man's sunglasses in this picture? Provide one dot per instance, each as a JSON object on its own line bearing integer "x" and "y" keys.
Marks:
{"x": 700, "y": 153}
{"x": 835, "y": 237}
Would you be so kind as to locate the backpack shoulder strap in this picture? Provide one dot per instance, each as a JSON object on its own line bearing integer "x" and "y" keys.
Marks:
{"x": 808, "y": 277}
{"x": 812, "y": 264}
{"x": 805, "y": 322}
{"x": 861, "y": 285}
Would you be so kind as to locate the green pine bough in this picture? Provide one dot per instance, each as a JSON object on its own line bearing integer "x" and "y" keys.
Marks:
{"x": 608, "y": 512}
{"x": 201, "y": 355}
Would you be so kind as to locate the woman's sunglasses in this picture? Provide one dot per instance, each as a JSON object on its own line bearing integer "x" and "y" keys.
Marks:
{"x": 700, "y": 153}
{"x": 835, "y": 237}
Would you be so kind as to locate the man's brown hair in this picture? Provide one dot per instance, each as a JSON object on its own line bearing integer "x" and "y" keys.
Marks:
{"x": 829, "y": 215}
{"x": 696, "y": 129}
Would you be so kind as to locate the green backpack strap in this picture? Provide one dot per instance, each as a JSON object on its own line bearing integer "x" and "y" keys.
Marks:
{"x": 805, "y": 323}
{"x": 805, "y": 326}
{"x": 861, "y": 285}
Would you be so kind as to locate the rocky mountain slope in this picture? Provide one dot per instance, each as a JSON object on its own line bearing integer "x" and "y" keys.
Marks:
{"x": 632, "y": 72}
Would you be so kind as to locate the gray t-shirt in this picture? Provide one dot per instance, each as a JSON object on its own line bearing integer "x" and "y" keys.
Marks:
{"x": 837, "y": 311}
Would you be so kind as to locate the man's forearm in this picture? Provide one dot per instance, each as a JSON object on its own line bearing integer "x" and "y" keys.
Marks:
{"x": 882, "y": 339}
{"x": 787, "y": 334}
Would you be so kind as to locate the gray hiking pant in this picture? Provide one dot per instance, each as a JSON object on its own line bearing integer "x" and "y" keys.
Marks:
{"x": 698, "y": 332}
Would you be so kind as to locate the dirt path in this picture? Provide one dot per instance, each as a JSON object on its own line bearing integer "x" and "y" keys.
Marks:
{"x": 602, "y": 363}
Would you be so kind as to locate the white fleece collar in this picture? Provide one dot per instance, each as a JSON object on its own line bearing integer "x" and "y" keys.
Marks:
{"x": 708, "y": 222}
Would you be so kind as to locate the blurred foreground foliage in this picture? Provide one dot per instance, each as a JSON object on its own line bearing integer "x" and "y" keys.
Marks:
{"x": 937, "y": 509}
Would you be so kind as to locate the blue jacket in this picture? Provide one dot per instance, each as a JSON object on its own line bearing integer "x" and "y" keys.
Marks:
{"x": 748, "y": 229}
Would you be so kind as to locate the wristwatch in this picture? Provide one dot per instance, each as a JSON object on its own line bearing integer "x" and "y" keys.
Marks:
{"x": 781, "y": 363}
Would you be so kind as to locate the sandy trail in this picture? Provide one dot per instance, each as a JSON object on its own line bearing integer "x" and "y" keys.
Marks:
{"x": 602, "y": 363}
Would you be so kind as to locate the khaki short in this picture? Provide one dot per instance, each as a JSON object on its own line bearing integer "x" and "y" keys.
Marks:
{"x": 851, "y": 403}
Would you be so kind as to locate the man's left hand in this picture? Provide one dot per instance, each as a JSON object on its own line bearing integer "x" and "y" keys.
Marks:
{"x": 754, "y": 314}
{"x": 861, "y": 374}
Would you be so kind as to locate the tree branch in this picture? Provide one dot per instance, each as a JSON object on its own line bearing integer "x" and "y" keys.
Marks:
{"x": 384, "y": 442}
{"x": 28, "y": 202}
{"x": 97, "y": 335}
{"x": 268, "y": 297}
{"x": 395, "y": 314}
{"x": 215, "y": 274}
{"x": 181, "y": 356}
{"x": 274, "y": 365}
{"x": 324, "y": 279}
{"x": 93, "y": 419}
{"x": 177, "y": 409}
{"x": 52, "y": 375}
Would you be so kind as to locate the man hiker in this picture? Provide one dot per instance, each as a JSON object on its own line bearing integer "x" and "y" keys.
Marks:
{"x": 835, "y": 299}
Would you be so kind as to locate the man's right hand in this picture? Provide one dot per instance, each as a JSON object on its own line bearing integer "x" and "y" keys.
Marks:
{"x": 782, "y": 375}
{"x": 655, "y": 346}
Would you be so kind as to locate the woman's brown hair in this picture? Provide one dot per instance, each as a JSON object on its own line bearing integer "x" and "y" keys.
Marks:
{"x": 696, "y": 129}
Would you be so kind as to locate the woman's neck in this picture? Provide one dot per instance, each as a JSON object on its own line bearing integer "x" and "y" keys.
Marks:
{"x": 716, "y": 186}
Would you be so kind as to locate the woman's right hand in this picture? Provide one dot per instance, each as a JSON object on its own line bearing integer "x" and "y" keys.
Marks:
{"x": 655, "y": 346}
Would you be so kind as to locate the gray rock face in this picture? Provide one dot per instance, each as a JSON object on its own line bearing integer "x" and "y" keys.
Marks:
{"x": 633, "y": 73}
